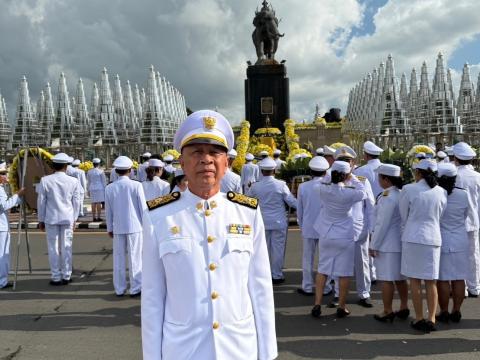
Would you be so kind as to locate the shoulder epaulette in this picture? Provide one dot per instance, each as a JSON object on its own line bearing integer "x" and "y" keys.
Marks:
{"x": 385, "y": 193}
{"x": 456, "y": 187}
{"x": 349, "y": 187}
{"x": 242, "y": 199}
{"x": 163, "y": 200}
{"x": 361, "y": 178}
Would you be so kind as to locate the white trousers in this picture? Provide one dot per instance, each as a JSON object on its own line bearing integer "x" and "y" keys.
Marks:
{"x": 4, "y": 257}
{"x": 473, "y": 277}
{"x": 59, "y": 242}
{"x": 127, "y": 245}
{"x": 276, "y": 241}
{"x": 362, "y": 267}
{"x": 308, "y": 279}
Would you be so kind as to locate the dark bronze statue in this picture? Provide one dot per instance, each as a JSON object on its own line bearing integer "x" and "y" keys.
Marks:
{"x": 265, "y": 36}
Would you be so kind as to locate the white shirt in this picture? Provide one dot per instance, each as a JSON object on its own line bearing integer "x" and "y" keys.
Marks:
{"x": 124, "y": 206}
{"x": 59, "y": 199}
{"x": 363, "y": 212}
{"x": 142, "y": 172}
{"x": 231, "y": 182}
{"x": 272, "y": 195}
{"x": 453, "y": 222}
{"x": 206, "y": 292}
{"x": 387, "y": 234}
{"x": 6, "y": 204}
{"x": 155, "y": 188}
{"x": 79, "y": 174}
{"x": 96, "y": 179}
{"x": 421, "y": 208}
{"x": 469, "y": 179}
{"x": 309, "y": 206}
{"x": 250, "y": 173}
{"x": 368, "y": 171}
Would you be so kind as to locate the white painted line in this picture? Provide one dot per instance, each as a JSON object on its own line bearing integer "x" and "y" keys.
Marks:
{"x": 94, "y": 225}
{"x": 33, "y": 225}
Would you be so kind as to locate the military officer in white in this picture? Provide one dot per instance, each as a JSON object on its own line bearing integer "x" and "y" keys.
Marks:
{"x": 96, "y": 188}
{"x": 250, "y": 173}
{"x": 272, "y": 195}
{"x": 469, "y": 179}
{"x": 308, "y": 208}
{"x": 442, "y": 157}
{"x": 58, "y": 207}
{"x": 207, "y": 291}
{"x": 142, "y": 169}
{"x": 124, "y": 206}
{"x": 329, "y": 154}
{"x": 263, "y": 154}
{"x": 276, "y": 157}
{"x": 169, "y": 168}
{"x": 154, "y": 186}
{"x": 231, "y": 181}
{"x": 319, "y": 151}
{"x": 6, "y": 203}
{"x": 80, "y": 175}
{"x": 371, "y": 154}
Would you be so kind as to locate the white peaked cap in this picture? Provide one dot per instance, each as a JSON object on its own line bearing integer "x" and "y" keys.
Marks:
{"x": 441, "y": 154}
{"x": 146, "y": 155}
{"x": 3, "y": 167}
{"x": 449, "y": 150}
{"x": 168, "y": 158}
{"x": 345, "y": 152}
{"x": 232, "y": 154}
{"x": 156, "y": 163}
{"x": 447, "y": 169}
{"x": 267, "y": 164}
{"x": 204, "y": 127}
{"x": 372, "y": 149}
{"x": 327, "y": 150}
{"x": 61, "y": 158}
{"x": 319, "y": 163}
{"x": 123, "y": 163}
{"x": 263, "y": 153}
{"x": 341, "y": 166}
{"x": 70, "y": 159}
{"x": 277, "y": 152}
{"x": 249, "y": 157}
{"x": 389, "y": 170}
{"x": 420, "y": 155}
{"x": 426, "y": 164}
{"x": 463, "y": 151}
{"x": 179, "y": 172}
{"x": 76, "y": 162}
{"x": 96, "y": 161}
{"x": 320, "y": 151}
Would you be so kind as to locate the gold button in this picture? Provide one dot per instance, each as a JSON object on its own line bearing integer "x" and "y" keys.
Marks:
{"x": 214, "y": 295}
{"x": 208, "y": 212}
{"x": 216, "y": 325}
{"x": 212, "y": 266}
{"x": 210, "y": 238}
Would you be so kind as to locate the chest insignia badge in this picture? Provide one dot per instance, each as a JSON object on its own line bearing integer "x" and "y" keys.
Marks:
{"x": 239, "y": 229}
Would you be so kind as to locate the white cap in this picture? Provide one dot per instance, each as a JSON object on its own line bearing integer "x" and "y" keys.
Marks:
{"x": 441, "y": 155}
{"x": 345, "y": 152}
{"x": 70, "y": 159}
{"x": 341, "y": 166}
{"x": 204, "y": 127}
{"x": 168, "y": 158}
{"x": 327, "y": 150}
{"x": 61, "y": 158}
{"x": 232, "y": 154}
{"x": 263, "y": 153}
{"x": 449, "y": 150}
{"x": 147, "y": 155}
{"x": 296, "y": 157}
{"x": 319, "y": 163}
{"x": 96, "y": 161}
{"x": 76, "y": 162}
{"x": 388, "y": 170}
{"x": 372, "y": 149}
{"x": 320, "y": 151}
{"x": 156, "y": 163}
{"x": 426, "y": 164}
{"x": 420, "y": 155}
{"x": 303, "y": 156}
{"x": 3, "y": 167}
{"x": 179, "y": 172}
{"x": 249, "y": 157}
{"x": 277, "y": 152}
{"x": 267, "y": 164}
{"x": 447, "y": 169}
{"x": 122, "y": 163}
{"x": 463, "y": 151}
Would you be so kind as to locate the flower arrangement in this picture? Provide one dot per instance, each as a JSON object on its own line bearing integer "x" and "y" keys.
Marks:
{"x": 299, "y": 151}
{"x": 135, "y": 164}
{"x": 268, "y": 131}
{"x": 305, "y": 127}
{"x": 320, "y": 121}
{"x": 172, "y": 152}
{"x": 12, "y": 176}
{"x": 337, "y": 145}
{"x": 86, "y": 165}
{"x": 243, "y": 141}
{"x": 255, "y": 149}
{"x": 334, "y": 125}
{"x": 419, "y": 149}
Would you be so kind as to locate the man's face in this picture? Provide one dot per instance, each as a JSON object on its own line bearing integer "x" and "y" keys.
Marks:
{"x": 204, "y": 164}
{"x": 3, "y": 179}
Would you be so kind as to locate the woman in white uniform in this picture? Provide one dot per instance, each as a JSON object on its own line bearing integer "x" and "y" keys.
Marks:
{"x": 455, "y": 245}
{"x": 96, "y": 187}
{"x": 155, "y": 187}
{"x": 421, "y": 207}
{"x": 179, "y": 181}
{"x": 334, "y": 224}
{"x": 386, "y": 244}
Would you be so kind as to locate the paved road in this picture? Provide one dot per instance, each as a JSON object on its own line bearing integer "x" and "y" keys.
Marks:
{"x": 86, "y": 321}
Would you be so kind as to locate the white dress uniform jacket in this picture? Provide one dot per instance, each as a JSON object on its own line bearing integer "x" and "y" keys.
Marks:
{"x": 142, "y": 172}
{"x": 250, "y": 173}
{"x": 364, "y": 211}
{"x": 309, "y": 206}
{"x": 388, "y": 227}
{"x": 155, "y": 188}
{"x": 5, "y": 204}
{"x": 79, "y": 174}
{"x": 97, "y": 182}
{"x": 452, "y": 223}
{"x": 231, "y": 182}
{"x": 368, "y": 171}
{"x": 207, "y": 289}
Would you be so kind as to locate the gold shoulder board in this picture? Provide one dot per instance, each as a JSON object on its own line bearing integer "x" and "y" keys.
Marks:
{"x": 163, "y": 200}
{"x": 242, "y": 199}
{"x": 361, "y": 178}
{"x": 385, "y": 193}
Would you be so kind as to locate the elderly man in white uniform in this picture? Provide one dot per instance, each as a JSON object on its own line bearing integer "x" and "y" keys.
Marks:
{"x": 308, "y": 208}
{"x": 276, "y": 157}
{"x": 250, "y": 173}
{"x": 124, "y": 206}
{"x": 469, "y": 179}
{"x": 154, "y": 186}
{"x": 97, "y": 182}
{"x": 142, "y": 169}
{"x": 80, "y": 175}
{"x": 272, "y": 195}
{"x": 6, "y": 204}
{"x": 231, "y": 181}
{"x": 58, "y": 207}
{"x": 207, "y": 291}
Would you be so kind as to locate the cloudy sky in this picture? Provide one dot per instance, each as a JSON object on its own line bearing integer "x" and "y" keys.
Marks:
{"x": 202, "y": 46}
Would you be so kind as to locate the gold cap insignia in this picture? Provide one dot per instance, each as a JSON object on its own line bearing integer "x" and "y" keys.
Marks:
{"x": 209, "y": 122}
{"x": 174, "y": 229}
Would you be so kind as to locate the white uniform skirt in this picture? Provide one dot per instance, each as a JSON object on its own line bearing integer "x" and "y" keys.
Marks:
{"x": 97, "y": 196}
{"x": 336, "y": 257}
{"x": 388, "y": 266}
{"x": 420, "y": 261}
{"x": 453, "y": 266}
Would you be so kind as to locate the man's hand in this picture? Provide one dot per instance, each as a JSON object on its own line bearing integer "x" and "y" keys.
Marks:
{"x": 110, "y": 233}
{"x": 21, "y": 192}
{"x": 41, "y": 226}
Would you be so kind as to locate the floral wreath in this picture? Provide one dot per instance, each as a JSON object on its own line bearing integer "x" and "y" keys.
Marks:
{"x": 13, "y": 179}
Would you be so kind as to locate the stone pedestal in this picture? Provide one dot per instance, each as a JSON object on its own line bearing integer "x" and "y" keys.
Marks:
{"x": 267, "y": 83}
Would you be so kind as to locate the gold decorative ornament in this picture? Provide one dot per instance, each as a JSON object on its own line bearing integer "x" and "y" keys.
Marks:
{"x": 209, "y": 122}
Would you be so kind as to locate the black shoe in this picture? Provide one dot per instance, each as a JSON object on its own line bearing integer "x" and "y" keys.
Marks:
{"x": 385, "y": 318}
{"x": 316, "y": 311}
{"x": 334, "y": 303}
{"x": 99, "y": 219}
{"x": 136, "y": 295}
{"x": 455, "y": 316}
{"x": 402, "y": 314}
{"x": 420, "y": 325}
{"x": 443, "y": 317}
{"x": 373, "y": 282}
{"x": 470, "y": 295}
{"x": 56, "y": 283}
{"x": 306, "y": 293}
{"x": 341, "y": 313}
{"x": 7, "y": 285}
{"x": 66, "y": 281}
{"x": 278, "y": 281}
{"x": 366, "y": 303}
{"x": 430, "y": 326}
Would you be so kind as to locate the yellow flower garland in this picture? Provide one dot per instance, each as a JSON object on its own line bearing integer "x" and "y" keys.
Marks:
{"x": 85, "y": 166}
{"x": 172, "y": 152}
{"x": 243, "y": 141}
{"x": 13, "y": 179}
